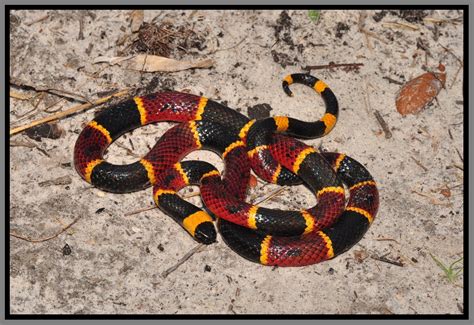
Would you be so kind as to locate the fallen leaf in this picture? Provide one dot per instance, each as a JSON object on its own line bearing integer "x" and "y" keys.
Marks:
{"x": 136, "y": 20}
{"x": 113, "y": 60}
{"x": 446, "y": 192}
{"x": 360, "y": 255}
{"x": 64, "y": 180}
{"x": 154, "y": 63}
{"x": 420, "y": 91}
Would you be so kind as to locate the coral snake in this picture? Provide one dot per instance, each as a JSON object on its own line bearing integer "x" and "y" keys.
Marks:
{"x": 268, "y": 146}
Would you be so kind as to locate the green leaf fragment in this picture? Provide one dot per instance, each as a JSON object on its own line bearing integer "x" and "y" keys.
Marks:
{"x": 314, "y": 15}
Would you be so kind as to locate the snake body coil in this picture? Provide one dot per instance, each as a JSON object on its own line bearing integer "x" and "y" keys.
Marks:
{"x": 267, "y": 236}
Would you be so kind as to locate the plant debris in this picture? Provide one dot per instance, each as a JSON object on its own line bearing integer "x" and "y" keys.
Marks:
{"x": 383, "y": 124}
{"x": 49, "y": 130}
{"x": 384, "y": 259}
{"x": 283, "y": 29}
{"x": 314, "y": 15}
{"x": 420, "y": 91}
{"x": 341, "y": 29}
{"x": 446, "y": 192}
{"x": 154, "y": 63}
{"x": 160, "y": 82}
{"x": 136, "y": 20}
{"x": 378, "y": 16}
{"x": 412, "y": 16}
{"x": 166, "y": 40}
{"x": 283, "y": 59}
{"x": 399, "y": 25}
{"x": 360, "y": 255}
{"x": 196, "y": 249}
{"x": 346, "y": 67}
{"x": 259, "y": 111}
{"x": 43, "y": 239}
{"x": 64, "y": 180}
{"x": 67, "y": 112}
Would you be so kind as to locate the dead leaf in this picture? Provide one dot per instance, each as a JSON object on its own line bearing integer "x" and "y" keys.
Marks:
{"x": 113, "y": 60}
{"x": 137, "y": 17}
{"x": 446, "y": 192}
{"x": 64, "y": 180}
{"x": 360, "y": 255}
{"x": 154, "y": 63}
{"x": 432, "y": 200}
{"x": 420, "y": 91}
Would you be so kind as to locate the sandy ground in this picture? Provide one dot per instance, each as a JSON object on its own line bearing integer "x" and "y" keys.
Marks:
{"x": 110, "y": 262}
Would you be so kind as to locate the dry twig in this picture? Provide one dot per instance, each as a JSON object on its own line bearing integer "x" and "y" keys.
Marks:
{"x": 80, "y": 36}
{"x": 393, "y": 81}
{"x": 386, "y": 260}
{"x": 459, "y": 154}
{"x": 458, "y": 167}
{"x": 461, "y": 64}
{"x": 333, "y": 65}
{"x": 26, "y": 115}
{"x": 37, "y": 20}
{"x": 40, "y": 240}
{"x": 433, "y": 200}
{"x": 54, "y": 91}
{"x": 386, "y": 239}
{"x": 68, "y": 112}
{"x": 20, "y": 96}
{"x": 401, "y": 25}
{"x": 230, "y": 48}
{"x": 419, "y": 164}
{"x": 271, "y": 195}
{"x": 139, "y": 211}
{"x": 383, "y": 124}
{"x": 128, "y": 150}
{"x": 193, "y": 251}
{"x": 440, "y": 21}
{"x": 50, "y": 111}
{"x": 22, "y": 143}
{"x": 366, "y": 32}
